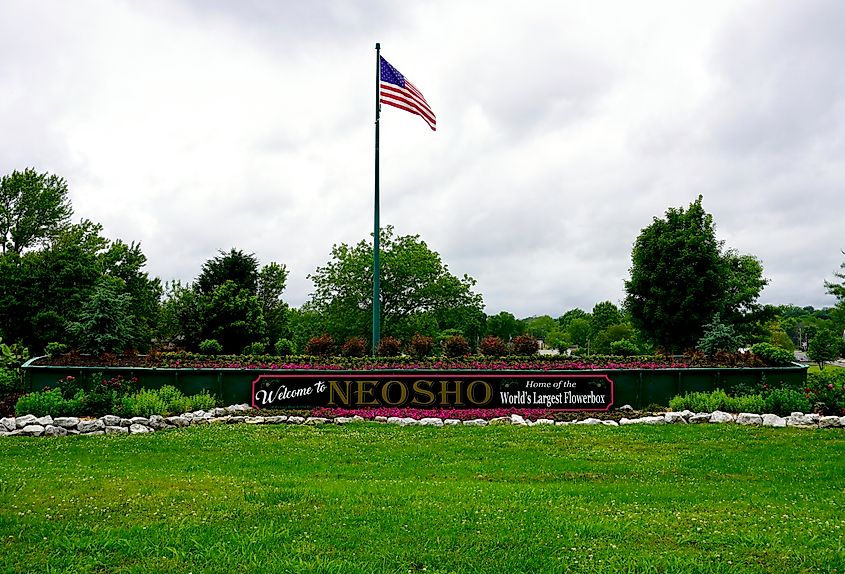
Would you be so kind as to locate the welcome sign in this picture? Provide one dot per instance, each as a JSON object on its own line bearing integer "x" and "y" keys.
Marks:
{"x": 440, "y": 389}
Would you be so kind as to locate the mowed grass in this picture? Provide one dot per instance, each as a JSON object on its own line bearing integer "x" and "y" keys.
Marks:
{"x": 368, "y": 498}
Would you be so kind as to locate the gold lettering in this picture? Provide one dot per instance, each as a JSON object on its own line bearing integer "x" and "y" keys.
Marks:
{"x": 334, "y": 387}
{"x": 365, "y": 389}
{"x": 487, "y": 396}
{"x": 456, "y": 394}
{"x": 422, "y": 387}
{"x": 385, "y": 393}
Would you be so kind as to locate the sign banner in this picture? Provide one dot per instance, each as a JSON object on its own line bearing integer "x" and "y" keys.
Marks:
{"x": 439, "y": 389}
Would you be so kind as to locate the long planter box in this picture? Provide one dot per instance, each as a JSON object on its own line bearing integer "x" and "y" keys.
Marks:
{"x": 636, "y": 387}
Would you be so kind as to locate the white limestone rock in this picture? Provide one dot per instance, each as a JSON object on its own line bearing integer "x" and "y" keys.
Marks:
{"x": 116, "y": 430}
{"x": 589, "y": 421}
{"x": 518, "y": 420}
{"x": 698, "y": 418}
{"x": 749, "y": 419}
{"x": 25, "y": 421}
{"x": 829, "y": 422}
{"x": 275, "y": 420}
{"x": 53, "y": 430}
{"x": 254, "y": 420}
{"x": 673, "y": 418}
{"x": 178, "y": 421}
{"x": 139, "y": 429}
{"x": 32, "y": 430}
{"x": 499, "y": 421}
{"x": 431, "y": 422}
{"x": 451, "y": 422}
{"x": 610, "y": 423}
{"x": 7, "y": 424}
{"x": 90, "y": 426}
{"x": 720, "y": 417}
{"x": 44, "y": 421}
{"x": 540, "y": 422}
{"x": 770, "y": 420}
{"x": 295, "y": 420}
{"x": 800, "y": 420}
{"x": 66, "y": 422}
{"x": 314, "y": 421}
{"x": 476, "y": 423}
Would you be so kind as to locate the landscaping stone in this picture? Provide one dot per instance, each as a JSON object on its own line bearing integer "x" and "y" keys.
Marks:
{"x": 278, "y": 419}
{"x": 676, "y": 418}
{"x": 651, "y": 420}
{"x": 719, "y": 417}
{"x": 139, "y": 421}
{"x": 610, "y": 423}
{"x": 451, "y": 422}
{"x": 342, "y": 420}
{"x": 801, "y": 420}
{"x": 431, "y": 422}
{"x": 589, "y": 421}
{"x": 380, "y": 419}
{"x": 254, "y": 420}
{"x": 237, "y": 420}
{"x": 313, "y": 421}
{"x": 66, "y": 422}
{"x": 218, "y": 412}
{"x": 545, "y": 422}
{"x": 158, "y": 422}
{"x": 111, "y": 420}
{"x": 518, "y": 420}
{"x": 235, "y": 409}
{"x": 408, "y": 422}
{"x": 749, "y": 419}
{"x": 476, "y": 423}
{"x": 829, "y": 422}
{"x": 139, "y": 429}
{"x": 295, "y": 420}
{"x": 32, "y": 430}
{"x": 44, "y": 421}
{"x": 178, "y": 421}
{"x": 770, "y": 420}
{"x": 499, "y": 421}
{"x": 25, "y": 420}
{"x": 626, "y": 409}
{"x": 90, "y": 426}
{"x": 699, "y": 418}
{"x": 562, "y": 423}
{"x": 116, "y": 430}
{"x": 53, "y": 430}
{"x": 7, "y": 424}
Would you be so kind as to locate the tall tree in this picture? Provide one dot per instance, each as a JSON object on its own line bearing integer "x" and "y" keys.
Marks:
{"x": 503, "y": 325}
{"x": 34, "y": 208}
{"x": 680, "y": 279}
{"x": 414, "y": 281}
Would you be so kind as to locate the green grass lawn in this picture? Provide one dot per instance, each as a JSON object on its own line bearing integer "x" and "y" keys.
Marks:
{"x": 368, "y": 498}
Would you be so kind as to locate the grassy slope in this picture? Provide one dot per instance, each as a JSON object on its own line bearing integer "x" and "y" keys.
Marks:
{"x": 370, "y": 498}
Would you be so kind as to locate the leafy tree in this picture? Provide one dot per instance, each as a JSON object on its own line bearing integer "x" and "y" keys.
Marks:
{"x": 680, "y": 278}
{"x": 824, "y": 347}
{"x": 603, "y": 316}
{"x": 837, "y": 289}
{"x": 34, "y": 209}
{"x": 414, "y": 282}
{"x": 233, "y": 316}
{"x": 602, "y": 342}
{"x": 578, "y": 331}
{"x": 570, "y": 315}
{"x": 235, "y": 266}
{"x": 272, "y": 280}
{"x": 503, "y": 325}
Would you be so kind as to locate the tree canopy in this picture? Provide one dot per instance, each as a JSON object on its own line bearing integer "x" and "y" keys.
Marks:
{"x": 680, "y": 278}
{"x": 416, "y": 287}
{"x": 34, "y": 208}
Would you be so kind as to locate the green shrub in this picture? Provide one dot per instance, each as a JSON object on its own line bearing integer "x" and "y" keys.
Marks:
{"x": 624, "y": 348}
{"x": 166, "y": 401}
{"x": 144, "y": 404}
{"x": 718, "y": 400}
{"x": 321, "y": 346}
{"x": 204, "y": 401}
{"x": 10, "y": 381}
{"x": 211, "y": 347}
{"x": 772, "y": 355}
{"x": 256, "y": 348}
{"x": 826, "y": 391}
{"x": 284, "y": 347}
{"x": 717, "y": 337}
{"x": 55, "y": 349}
{"x": 49, "y": 402}
{"x": 785, "y": 401}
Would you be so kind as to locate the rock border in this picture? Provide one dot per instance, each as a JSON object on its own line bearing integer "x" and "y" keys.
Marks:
{"x": 30, "y": 425}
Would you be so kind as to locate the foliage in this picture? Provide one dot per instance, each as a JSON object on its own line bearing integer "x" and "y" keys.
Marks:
{"x": 105, "y": 394}
{"x": 824, "y": 347}
{"x": 105, "y": 323}
{"x": 492, "y": 346}
{"x": 826, "y": 391}
{"x": 12, "y": 356}
{"x": 354, "y": 347}
{"x": 322, "y": 346}
{"x": 255, "y": 348}
{"x": 680, "y": 279}
{"x": 779, "y": 338}
{"x": 211, "y": 347}
{"x": 166, "y": 401}
{"x": 284, "y": 347}
{"x": 414, "y": 283}
{"x": 55, "y": 349}
{"x": 420, "y": 346}
{"x": 722, "y": 359}
{"x": 10, "y": 381}
{"x": 625, "y": 348}
{"x": 784, "y": 401}
{"x": 49, "y": 402}
{"x": 718, "y": 400}
{"x": 837, "y": 289}
{"x": 525, "y": 345}
{"x": 718, "y": 337}
{"x": 233, "y": 316}
{"x": 34, "y": 209}
{"x": 772, "y": 355}
{"x": 389, "y": 347}
{"x": 235, "y": 266}
{"x": 578, "y": 331}
{"x": 503, "y": 325}
{"x": 603, "y": 316}
{"x": 456, "y": 346}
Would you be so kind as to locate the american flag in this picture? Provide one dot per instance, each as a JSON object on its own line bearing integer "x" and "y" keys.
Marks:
{"x": 398, "y": 92}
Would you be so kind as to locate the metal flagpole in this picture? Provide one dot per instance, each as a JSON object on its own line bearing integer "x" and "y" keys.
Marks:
{"x": 376, "y": 230}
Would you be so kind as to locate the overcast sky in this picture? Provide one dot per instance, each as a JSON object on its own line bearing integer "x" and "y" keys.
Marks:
{"x": 563, "y": 128}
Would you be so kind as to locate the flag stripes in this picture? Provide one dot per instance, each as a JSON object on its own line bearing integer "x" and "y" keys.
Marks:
{"x": 396, "y": 91}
